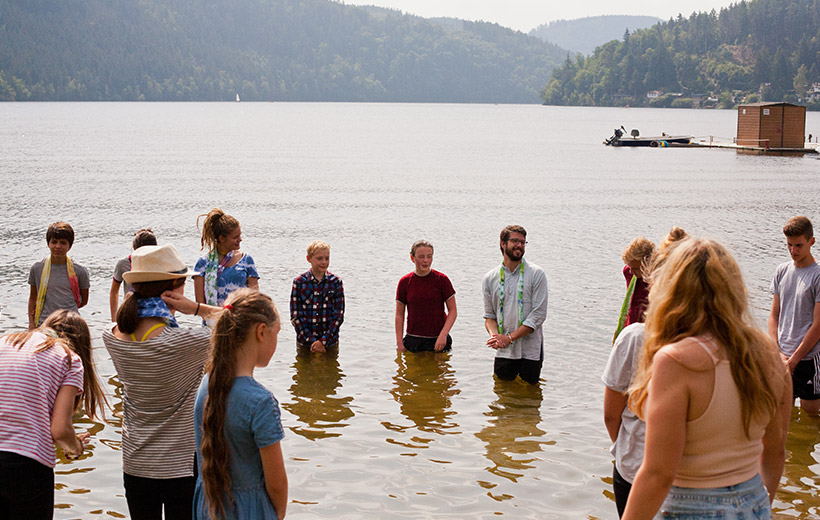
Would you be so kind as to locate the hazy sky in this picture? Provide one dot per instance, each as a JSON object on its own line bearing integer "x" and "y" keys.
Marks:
{"x": 525, "y": 15}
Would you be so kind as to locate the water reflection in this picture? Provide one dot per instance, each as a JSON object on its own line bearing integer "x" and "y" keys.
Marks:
{"x": 317, "y": 376}
{"x": 82, "y": 477}
{"x": 798, "y": 491}
{"x": 512, "y": 435}
{"x": 424, "y": 386}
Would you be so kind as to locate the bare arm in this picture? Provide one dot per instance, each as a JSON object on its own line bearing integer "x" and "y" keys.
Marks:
{"x": 182, "y": 304}
{"x": 774, "y": 318}
{"x": 83, "y": 298}
{"x": 452, "y": 313}
{"x": 32, "y": 306}
{"x": 491, "y": 326}
{"x": 809, "y": 340}
{"x": 276, "y": 479}
{"x": 399, "y": 322}
{"x": 199, "y": 289}
{"x": 253, "y": 283}
{"x": 614, "y": 405}
{"x": 666, "y": 414}
{"x": 114, "y": 298}
{"x": 774, "y": 440}
{"x": 62, "y": 428}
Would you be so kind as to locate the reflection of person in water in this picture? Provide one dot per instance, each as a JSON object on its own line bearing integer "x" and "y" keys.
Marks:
{"x": 512, "y": 435}
{"x": 315, "y": 401}
{"x": 424, "y": 386}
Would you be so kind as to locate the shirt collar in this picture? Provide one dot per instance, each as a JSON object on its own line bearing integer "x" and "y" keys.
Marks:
{"x": 313, "y": 278}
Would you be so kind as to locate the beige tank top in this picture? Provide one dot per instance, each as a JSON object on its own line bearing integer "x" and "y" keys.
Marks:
{"x": 717, "y": 452}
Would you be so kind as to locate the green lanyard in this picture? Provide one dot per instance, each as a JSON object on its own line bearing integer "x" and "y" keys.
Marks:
{"x": 630, "y": 290}
{"x": 501, "y": 298}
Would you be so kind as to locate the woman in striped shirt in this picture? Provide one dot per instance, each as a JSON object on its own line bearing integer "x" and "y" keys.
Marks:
{"x": 160, "y": 366}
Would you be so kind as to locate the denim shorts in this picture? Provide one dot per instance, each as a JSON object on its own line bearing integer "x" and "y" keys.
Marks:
{"x": 745, "y": 501}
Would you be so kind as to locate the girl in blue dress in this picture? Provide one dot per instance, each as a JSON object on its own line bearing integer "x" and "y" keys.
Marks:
{"x": 225, "y": 268}
{"x": 238, "y": 426}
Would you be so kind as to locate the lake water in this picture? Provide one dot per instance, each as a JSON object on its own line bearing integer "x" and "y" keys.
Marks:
{"x": 369, "y": 434}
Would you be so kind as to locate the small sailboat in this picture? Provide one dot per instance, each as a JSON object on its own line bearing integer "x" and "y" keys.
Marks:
{"x": 237, "y": 98}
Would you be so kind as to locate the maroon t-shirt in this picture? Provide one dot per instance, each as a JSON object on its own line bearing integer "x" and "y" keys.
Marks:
{"x": 424, "y": 297}
{"x": 640, "y": 298}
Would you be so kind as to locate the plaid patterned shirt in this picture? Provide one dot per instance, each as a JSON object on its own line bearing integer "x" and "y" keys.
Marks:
{"x": 317, "y": 308}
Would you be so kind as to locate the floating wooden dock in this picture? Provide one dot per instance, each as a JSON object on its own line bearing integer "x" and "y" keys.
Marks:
{"x": 710, "y": 142}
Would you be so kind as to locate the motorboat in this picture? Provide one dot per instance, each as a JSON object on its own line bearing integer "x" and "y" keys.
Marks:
{"x": 619, "y": 138}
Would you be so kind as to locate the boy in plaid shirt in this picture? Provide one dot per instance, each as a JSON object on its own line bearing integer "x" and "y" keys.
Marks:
{"x": 317, "y": 302}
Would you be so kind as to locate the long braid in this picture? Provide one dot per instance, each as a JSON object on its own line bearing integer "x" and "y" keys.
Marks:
{"x": 248, "y": 308}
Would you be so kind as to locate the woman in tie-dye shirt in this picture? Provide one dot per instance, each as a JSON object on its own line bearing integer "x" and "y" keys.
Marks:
{"x": 225, "y": 268}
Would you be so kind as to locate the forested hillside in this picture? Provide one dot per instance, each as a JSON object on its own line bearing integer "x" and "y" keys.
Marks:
{"x": 260, "y": 49}
{"x": 584, "y": 34}
{"x": 760, "y": 50}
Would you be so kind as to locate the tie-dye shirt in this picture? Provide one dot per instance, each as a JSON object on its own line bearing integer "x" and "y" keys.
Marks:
{"x": 232, "y": 278}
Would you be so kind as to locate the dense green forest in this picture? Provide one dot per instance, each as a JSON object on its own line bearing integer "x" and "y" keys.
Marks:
{"x": 760, "y": 50}
{"x": 584, "y": 34}
{"x": 294, "y": 50}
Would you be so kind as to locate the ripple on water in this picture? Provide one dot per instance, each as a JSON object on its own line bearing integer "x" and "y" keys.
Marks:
{"x": 370, "y": 434}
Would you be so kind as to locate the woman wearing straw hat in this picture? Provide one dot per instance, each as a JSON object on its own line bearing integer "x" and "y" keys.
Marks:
{"x": 160, "y": 366}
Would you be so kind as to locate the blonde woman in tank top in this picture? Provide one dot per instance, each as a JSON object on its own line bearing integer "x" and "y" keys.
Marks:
{"x": 707, "y": 450}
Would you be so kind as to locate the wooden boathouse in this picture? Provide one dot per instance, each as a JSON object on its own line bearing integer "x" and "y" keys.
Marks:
{"x": 771, "y": 126}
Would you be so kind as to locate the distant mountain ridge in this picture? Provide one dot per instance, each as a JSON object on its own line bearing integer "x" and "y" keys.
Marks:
{"x": 584, "y": 34}
{"x": 263, "y": 50}
{"x": 753, "y": 50}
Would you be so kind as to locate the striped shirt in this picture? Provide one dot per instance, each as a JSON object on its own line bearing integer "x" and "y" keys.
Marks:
{"x": 160, "y": 377}
{"x": 29, "y": 382}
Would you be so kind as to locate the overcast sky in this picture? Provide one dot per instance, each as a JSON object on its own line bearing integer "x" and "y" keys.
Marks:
{"x": 525, "y": 15}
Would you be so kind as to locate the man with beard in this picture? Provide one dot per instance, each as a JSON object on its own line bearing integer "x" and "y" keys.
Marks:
{"x": 515, "y": 307}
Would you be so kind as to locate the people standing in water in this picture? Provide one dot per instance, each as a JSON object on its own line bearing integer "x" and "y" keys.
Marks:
{"x": 225, "y": 268}
{"x": 44, "y": 376}
{"x": 424, "y": 294}
{"x": 160, "y": 366}
{"x": 56, "y": 282}
{"x": 636, "y": 256}
{"x": 515, "y": 307}
{"x": 317, "y": 302}
{"x": 626, "y": 430}
{"x": 238, "y": 426}
{"x": 794, "y": 321}
{"x": 143, "y": 237}
{"x": 714, "y": 393}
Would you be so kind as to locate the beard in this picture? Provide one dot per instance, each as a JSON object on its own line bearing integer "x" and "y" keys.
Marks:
{"x": 513, "y": 253}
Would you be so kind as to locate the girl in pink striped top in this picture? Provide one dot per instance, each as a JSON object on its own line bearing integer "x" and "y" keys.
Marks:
{"x": 44, "y": 376}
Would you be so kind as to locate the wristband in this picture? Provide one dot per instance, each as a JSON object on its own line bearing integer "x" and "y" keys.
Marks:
{"x": 510, "y": 336}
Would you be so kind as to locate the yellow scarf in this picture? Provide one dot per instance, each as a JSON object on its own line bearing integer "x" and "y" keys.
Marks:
{"x": 44, "y": 277}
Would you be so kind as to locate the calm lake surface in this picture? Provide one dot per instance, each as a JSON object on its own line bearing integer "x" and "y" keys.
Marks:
{"x": 370, "y": 434}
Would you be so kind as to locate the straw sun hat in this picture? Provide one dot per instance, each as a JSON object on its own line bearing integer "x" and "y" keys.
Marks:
{"x": 155, "y": 263}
